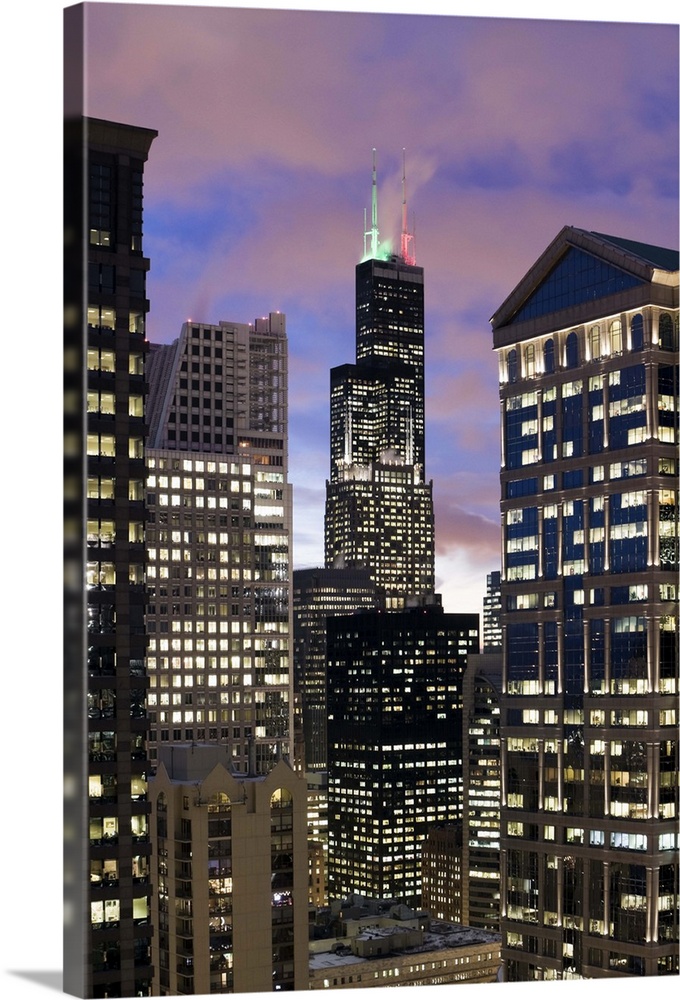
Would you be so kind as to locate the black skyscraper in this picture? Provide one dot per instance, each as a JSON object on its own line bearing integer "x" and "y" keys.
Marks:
{"x": 395, "y": 691}
{"x": 107, "y": 931}
{"x": 379, "y": 512}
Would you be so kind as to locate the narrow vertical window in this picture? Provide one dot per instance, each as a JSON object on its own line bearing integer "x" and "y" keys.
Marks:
{"x": 549, "y": 355}
{"x": 571, "y": 351}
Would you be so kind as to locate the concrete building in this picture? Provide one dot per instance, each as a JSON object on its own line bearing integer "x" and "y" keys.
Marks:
{"x": 394, "y": 743}
{"x": 219, "y": 541}
{"x": 106, "y": 873}
{"x": 480, "y": 899}
{"x": 379, "y": 511}
{"x": 383, "y": 943}
{"x": 588, "y": 366}
{"x": 230, "y": 875}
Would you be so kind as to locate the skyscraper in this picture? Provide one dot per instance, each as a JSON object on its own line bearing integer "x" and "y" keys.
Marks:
{"x": 394, "y": 743}
{"x": 219, "y": 540}
{"x": 379, "y": 512}
{"x": 107, "y": 849}
{"x": 492, "y": 612}
{"x": 481, "y": 791}
{"x": 441, "y": 864}
{"x": 587, "y": 349}
{"x": 231, "y": 875}
{"x": 317, "y": 594}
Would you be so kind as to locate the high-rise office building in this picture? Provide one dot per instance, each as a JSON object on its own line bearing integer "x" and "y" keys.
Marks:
{"x": 107, "y": 849}
{"x": 317, "y": 836}
{"x": 442, "y": 872}
{"x": 379, "y": 512}
{"x": 230, "y": 875}
{"x": 588, "y": 362}
{"x": 219, "y": 540}
{"x": 317, "y": 594}
{"x": 394, "y": 743}
{"x": 461, "y": 860}
{"x": 491, "y": 613}
{"x": 481, "y": 791}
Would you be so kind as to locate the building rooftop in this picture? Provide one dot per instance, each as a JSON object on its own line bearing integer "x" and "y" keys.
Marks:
{"x": 440, "y": 936}
{"x": 658, "y": 256}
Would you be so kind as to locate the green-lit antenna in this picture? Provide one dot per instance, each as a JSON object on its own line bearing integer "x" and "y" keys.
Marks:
{"x": 374, "y": 211}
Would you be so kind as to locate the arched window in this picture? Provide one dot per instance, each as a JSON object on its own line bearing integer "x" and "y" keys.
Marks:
{"x": 549, "y": 355}
{"x": 512, "y": 366}
{"x": 615, "y": 341}
{"x": 666, "y": 336}
{"x": 636, "y": 333}
{"x": 281, "y": 799}
{"x": 594, "y": 342}
{"x": 219, "y": 802}
{"x": 282, "y": 846}
{"x": 571, "y": 351}
{"x": 282, "y": 889}
{"x": 529, "y": 361}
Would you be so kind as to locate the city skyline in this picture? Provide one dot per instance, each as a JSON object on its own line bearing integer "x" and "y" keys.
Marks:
{"x": 256, "y": 204}
{"x": 34, "y": 119}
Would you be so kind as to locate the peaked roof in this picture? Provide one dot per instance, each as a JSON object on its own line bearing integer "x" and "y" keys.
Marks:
{"x": 580, "y": 266}
{"x": 661, "y": 257}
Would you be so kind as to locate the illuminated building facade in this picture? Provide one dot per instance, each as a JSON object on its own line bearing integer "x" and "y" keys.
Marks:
{"x": 230, "y": 876}
{"x": 491, "y": 613}
{"x": 379, "y": 512}
{"x": 480, "y": 898}
{"x": 317, "y": 594}
{"x": 442, "y": 872}
{"x": 587, "y": 349}
{"x": 107, "y": 849}
{"x": 394, "y": 743}
{"x": 218, "y": 541}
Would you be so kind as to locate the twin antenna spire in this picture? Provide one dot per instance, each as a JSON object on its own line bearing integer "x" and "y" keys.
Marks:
{"x": 371, "y": 240}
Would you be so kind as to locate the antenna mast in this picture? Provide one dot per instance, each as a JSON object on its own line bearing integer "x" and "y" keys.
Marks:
{"x": 407, "y": 254}
{"x": 373, "y": 231}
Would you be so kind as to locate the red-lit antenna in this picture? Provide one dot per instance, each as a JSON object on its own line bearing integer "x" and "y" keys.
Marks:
{"x": 407, "y": 250}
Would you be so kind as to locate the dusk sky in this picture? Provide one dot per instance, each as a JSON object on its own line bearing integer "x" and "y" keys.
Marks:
{"x": 255, "y": 191}
{"x": 256, "y": 186}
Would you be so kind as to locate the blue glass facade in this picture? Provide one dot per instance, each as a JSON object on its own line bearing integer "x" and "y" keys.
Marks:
{"x": 589, "y": 615}
{"x": 578, "y": 277}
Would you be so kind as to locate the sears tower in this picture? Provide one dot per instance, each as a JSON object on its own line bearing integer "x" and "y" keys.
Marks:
{"x": 379, "y": 512}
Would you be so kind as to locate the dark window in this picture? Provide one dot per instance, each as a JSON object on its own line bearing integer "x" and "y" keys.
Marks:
{"x": 572, "y": 479}
{"x": 137, "y": 282}
{"x": 666, "y": 332}
{"x": 571, "y": 353}
{"x": 549, "y": 356}
{"x": 636, "y": 333}
{"x": 101, "y": 200}
{"x": 102, "y": 278}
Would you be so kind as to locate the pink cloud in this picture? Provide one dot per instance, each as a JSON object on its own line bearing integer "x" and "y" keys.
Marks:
{"x": 459, "y": 529}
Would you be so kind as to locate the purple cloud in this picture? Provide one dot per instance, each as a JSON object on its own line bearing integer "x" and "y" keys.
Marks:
{"x": 256, "y": 186}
